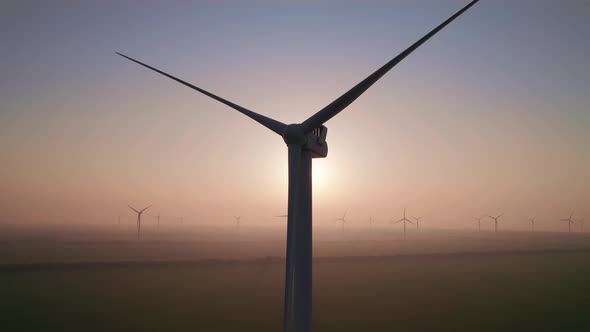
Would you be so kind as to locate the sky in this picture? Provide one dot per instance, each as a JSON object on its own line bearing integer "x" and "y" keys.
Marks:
{"x": 490, "y": 116}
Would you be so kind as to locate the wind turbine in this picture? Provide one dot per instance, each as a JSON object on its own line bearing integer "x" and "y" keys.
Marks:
{"x": 478, "y": 223}
{"x": 119, "y": 220}
{"x": 404, "y": 220}
{"x": 371, "y": 222}
{"x": 570, "y": 221}
{"x": 139, "y": 213}
{"x": 158, "y": 219}
{"x": 343, "y": 220}
{"x": 532, "y": 220}
{"x": 237, "y": 221}
{"x": 305, "y": 141}
{"x": 417, "y": 219}
{"x": 496, "y": 221}
{"x": 581, "y": 221}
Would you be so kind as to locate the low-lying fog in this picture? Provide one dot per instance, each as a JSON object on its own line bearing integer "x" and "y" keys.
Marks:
{"x": 21, "y": 244}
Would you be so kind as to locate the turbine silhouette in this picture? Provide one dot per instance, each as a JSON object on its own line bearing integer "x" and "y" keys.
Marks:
{"x": 478, "y": 223}
{"x": 343, "y": 220}
{"x": 139, "y": 213}
{"x": 581, "y": 221}
{"x": 496, "y": 221}
{"x": 533, "y": 220}
{"x": 237, "y": 221}
{"x": 570, "y": 221}
{"x": 305, "y": 141}
{"x": 371, "y": 221}
{"x": 158, "y": 219}
{"x": 404, "y": 220}
{"x": 417, "y": 220}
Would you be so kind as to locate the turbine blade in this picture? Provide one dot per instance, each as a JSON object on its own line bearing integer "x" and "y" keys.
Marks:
{"x": 133, "y": 209}
{"x": 346, "y": 99}
{"x": 282, "y": 216}
{"x": 274, "y": 125}
{"x": 145, "y": 209}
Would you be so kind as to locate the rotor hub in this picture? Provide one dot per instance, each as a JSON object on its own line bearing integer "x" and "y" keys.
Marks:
{"x": 294, "y": 135}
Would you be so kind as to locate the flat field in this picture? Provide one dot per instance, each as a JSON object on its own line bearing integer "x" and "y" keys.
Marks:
{"x": 434, "y": 281}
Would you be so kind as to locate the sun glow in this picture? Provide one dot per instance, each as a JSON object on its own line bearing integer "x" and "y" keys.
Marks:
{"x": 321, "y": 176}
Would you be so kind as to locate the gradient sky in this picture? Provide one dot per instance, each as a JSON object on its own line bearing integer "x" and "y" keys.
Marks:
{"x": 492, "y": 115}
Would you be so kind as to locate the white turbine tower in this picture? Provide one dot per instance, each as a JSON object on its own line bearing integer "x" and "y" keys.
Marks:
{"x": 496, "y": 221}
{"x": 139, "y": 213}
{"x": 404, "y": 220}
{"x": 417, "y": 220}
{"x": 305, "y": 141}
{"x": 343, "y": 220}
{"x": 533, "y": 220}
{"x": 570, "y": 221}
{"x": 478, "y": 223}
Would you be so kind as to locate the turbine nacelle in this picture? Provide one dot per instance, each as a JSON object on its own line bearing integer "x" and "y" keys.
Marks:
{"x": 313, "y": 141}
{"x": 316, "y": 142}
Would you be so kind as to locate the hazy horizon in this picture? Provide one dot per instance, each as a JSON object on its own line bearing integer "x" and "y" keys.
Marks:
{"x": 490, "y": 116}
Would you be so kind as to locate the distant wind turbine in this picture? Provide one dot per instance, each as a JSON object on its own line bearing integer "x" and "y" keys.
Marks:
{"x": 496, "y": 221}
{"x": 532, "y": 220}
{"x": 343, "y": 220}
{"x": 570, "y": 221}
{"x": 139, "y": 213}
{"x": 158, "y": 219}
{"x": 581, "y": 221}
{"x": 237, "y": 218}
{"x": 417, "y": 219}
{"x": 404, "y": 220}
{"x": 119, "y": 220}
{"x": 371, "y": 221}
{"x": 305, "y": 141}
{"x": 478, "y": 223}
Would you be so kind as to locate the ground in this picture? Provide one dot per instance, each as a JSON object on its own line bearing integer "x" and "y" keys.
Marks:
{"x": 542, "y": 287}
